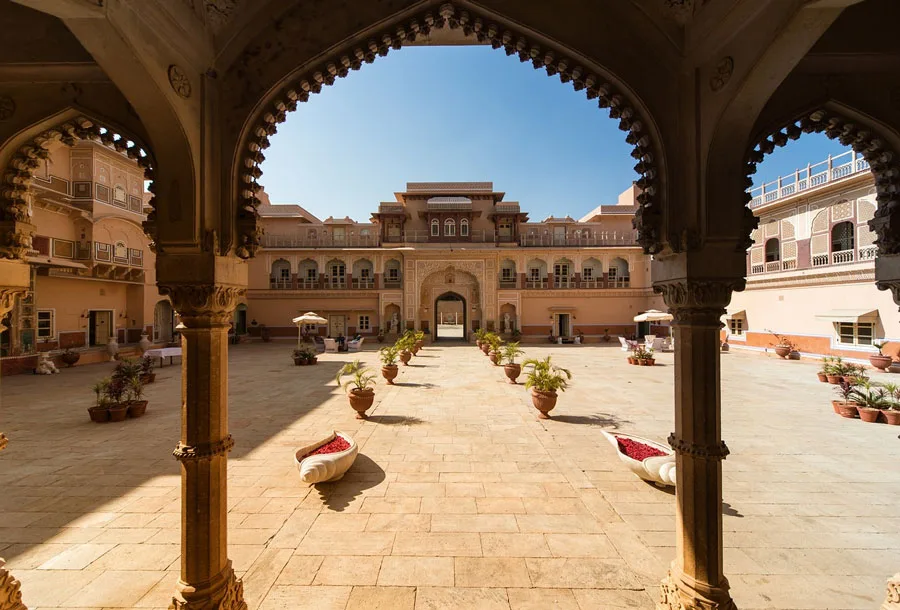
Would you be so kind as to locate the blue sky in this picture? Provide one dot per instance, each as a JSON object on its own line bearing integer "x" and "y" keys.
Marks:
{"x": 461, "y": 114}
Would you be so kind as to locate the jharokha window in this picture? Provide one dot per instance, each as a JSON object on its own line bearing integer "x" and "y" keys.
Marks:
{"x": 773, "y": 251}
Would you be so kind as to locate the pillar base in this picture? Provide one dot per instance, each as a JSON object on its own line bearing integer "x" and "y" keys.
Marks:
{"x": 675, "y": 594}
{"x": 10, "y": 590}
{"x": 224, "y": 592}
{"x": 892, "y": 601}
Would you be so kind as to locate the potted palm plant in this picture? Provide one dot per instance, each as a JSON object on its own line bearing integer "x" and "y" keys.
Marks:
{"x": 496, "y": 344}
{"x": 115, "y": 394}
{"x": 846, "y": 406}
{"x": 512, "y": 369}
{"x": 404, "y": 345}
{"x": 147, "y": 374}
{"x": 486, "y": 343}
{"x": 870, "y": 401}
{"x": 892, "y": 411}
{"x": 299, "y": 356}
{"x": 360, "y": 387}
{"x": 479, "y": 337}
{"x": 784, "y": 347}
{"x": 419, "y": 341}
{"x": 834, "y": 370}
{"x": 100, "y": 411}
{"x": 880, "y": 361}
{"x": 822, "y": 374}
{"x": 137, "y": 406}
{"x": 545, "y": 379}
{"x": 389, "y": 370}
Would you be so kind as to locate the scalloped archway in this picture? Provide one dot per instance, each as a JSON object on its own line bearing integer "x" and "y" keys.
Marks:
{"x": 597, "y": 83}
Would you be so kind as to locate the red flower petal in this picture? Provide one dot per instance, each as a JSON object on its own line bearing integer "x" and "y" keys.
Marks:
{"x": 338, "y": 444}
{"x": 637, "y": 451}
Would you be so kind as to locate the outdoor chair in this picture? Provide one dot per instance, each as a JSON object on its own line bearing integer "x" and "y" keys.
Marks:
{"x": 625, "y": 346}
{"x": 319, "y": 343}
{"x": 658, "y": 344}
{"x": 355, "y": 344}
{"x": 330, "y": 345}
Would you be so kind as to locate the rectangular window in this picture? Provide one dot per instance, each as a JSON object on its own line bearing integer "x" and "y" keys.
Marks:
{"x": 587, "y": 274}
{"x": 612, "y": 274}
{"x": 435, "y": 229}
{"x": 311, "y": 275}
{"x": 364, "y": 273}
{"x": 507, "y": 275}
{"x": 861, "y": 333}
{"x": 535, "y": 274}
{"x": 450, "y": 229}
{"x": 736, "y": 326}
{"x": 394, "y": 274}
{"x": 464, "y": 229}
{"x": 285, "y": 273}
{"x": 45, "y": 324}
{"x": 363, "y": 323}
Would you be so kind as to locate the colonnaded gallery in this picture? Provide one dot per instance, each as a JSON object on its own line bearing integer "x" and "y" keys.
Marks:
{"x": 448, "y": 256}
{"x": 192, "y": 91}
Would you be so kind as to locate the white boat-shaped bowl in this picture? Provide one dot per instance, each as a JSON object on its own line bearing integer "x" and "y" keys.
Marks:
{"x": 659, "y": 470}
{"x": 326, "y": 467}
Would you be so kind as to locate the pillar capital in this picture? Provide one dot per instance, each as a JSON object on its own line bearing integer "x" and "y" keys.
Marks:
{"x": 698, "y": 301}
{"x": 15, "y": 238}
{"x": 203, "y": 305}
{"x": 10, "y": 590}
{"x": 892, "y": 600}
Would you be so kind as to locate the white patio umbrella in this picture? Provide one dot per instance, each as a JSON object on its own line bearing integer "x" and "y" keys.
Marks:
{"x": 308, "y": 318}
{"x": 653, "y": 315}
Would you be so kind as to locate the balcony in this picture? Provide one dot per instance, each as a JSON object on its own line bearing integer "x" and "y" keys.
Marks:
{"x": 620, "y": 282}
{"x": 307, "y": 284}
{"x": 591, "y": 283}
{"x": 327, "y": 241}
{"x": 841, "y": 257}
{"x": 90, "y": 259}
{"x": 335, "y": 283}
{"x": 813, "y": 176}
{"x": 280, "y": 283}
{"x": 393, "y": 282}
{"x": 586, "y": 239}
{"x": 564, "y": 282}
{"x": 508, "y": 282}
{"x": 536, "y": 283}
{"x": 363, "y": 283}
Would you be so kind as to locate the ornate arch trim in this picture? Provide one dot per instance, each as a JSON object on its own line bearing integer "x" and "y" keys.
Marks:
{"x": 15, "y": 208}
{"x": 874, "y": 149}
{"x": 623, "y": 105}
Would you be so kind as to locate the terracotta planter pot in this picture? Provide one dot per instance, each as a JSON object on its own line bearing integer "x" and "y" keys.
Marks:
{"x": 834, "y": 379}
{"x": 783, "y": 351}
{"x": 892, "y": 417}
{"x": 543, "y": 402}
{"x": 100, "y": 415}
{"x": 390, "y": 372}
{"x": 869, "y": 415}
{"x": 137, "y": 408}
{"x": 405, "y": 357}
{"x": 651, "y": 361}
{"x": 148, "y": 378}
{"x": 361, "y": 401}
{"x": 478, "y": 343}
{"x": 514, "y": 370}
{"x": 70, "y": 358}
{"x": 631, "y": 360}
{"x": 486, "y": 348}
{"x": 848, "y": 409}
{"x": 312, "y": 360}
{"x": 118, "y": 412}
{"x": 420, "y": 345}
{"x": 725, "y": 347}
{"x": 835, "y": 404}
{"x": 880, "y": 362}
{"x": 415, "y": 350}
{"x": 494, "y": 358}
{"x": 380, "y": 338}
{"x": 822, "y": 377}
{"x": 300, "y": 361}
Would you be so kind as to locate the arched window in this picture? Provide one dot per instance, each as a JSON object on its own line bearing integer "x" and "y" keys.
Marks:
{"x": 281, "y": 274}
{"x": 449, "y": 227}
{"x": 464, "y": 228}
{"x": 120, "y": 250}
{"x": 435, "y": 227}
{"x": 773, "y": 250}
{"x": 842, "y": 237}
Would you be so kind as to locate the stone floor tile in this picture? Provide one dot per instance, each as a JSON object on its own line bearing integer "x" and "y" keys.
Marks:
{"x": 554, "y": 506}
{"x": 558, "y": 524}
{"x": 339, "y": 522}
{"x": 451, "y": 598}
{"x": 437, "y": 544}
{"x": 52, "y": 587}
{"x": 300, "y": 570}
{"x": 390, "y": 522}
{"x": 348, "y": 570}
{"x": 76, "y": 557}
{"x": 474, "y": 523}
{"x": 514, "y": 545}
{"x": 581, "y": 573}
{"x": 116, "y": 589}
{"x": 336, "y": 543}
{"x": 500, "y": 505}
{"x": 580, "y": 545}
{"x": 390, "y": 505}
{"x": 263, "y": 573}
{"x": 615, "y": 599}
{"x": 382, "y": 598}
{"x": 290, "y": 597}
{"x": 456, "y": 506}
{"x": 543, "y": 599}
{"x": 417, "y": 571}
{"x": 147, "y": 557}
{"x": 491, "y": 572}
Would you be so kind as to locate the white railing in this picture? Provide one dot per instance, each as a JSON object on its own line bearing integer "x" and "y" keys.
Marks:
{"x": 531, "y": 283}
{"x": 843, "y": 256}
{"x": 619, "y": 282}
{"x": 280, "y": 284}
{"x": 564, "y": 282}
{"x": 757, "y": 269}
{"x": 773, "y": 266}
{"x": 307, "y": 284}
{"x": 820, "y": 260}
{"x": 592, "y": 283}
{"x": 789, "y": 264}
{"x": 390, "y": 282}
{"x": 417, "y": 236}
{"x": 868, "y": 253}
{"x": 327, "y": 241}
{"x": 508, "y": 282}
{"x": 335, "y": 283}
{"x": 532, "y": 238}
{"x": 363, "y": 283}
{"x": 832, "y": 169}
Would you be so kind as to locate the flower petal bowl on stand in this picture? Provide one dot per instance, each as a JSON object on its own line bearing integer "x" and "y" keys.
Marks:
{"x": 325, "y": 467}
{"x": 659, "y": 470}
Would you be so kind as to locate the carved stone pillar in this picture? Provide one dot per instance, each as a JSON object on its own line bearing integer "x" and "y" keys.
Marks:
{"x": 887, "y": 276}
{"x": 207, "y": 579}
{"x": 696, "y": 580}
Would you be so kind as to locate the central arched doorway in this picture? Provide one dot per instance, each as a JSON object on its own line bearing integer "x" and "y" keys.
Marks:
{"x": 450, "y": 317}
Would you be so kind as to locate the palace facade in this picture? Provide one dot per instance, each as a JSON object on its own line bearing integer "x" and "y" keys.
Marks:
{"x": 92, "y": 273}
{"x": 811, "y": 268}
{"x": 452, "y": 254}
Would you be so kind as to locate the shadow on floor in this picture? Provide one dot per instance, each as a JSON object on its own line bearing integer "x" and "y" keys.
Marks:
{"x": 729, "y": 510}
{"x": 407, "y": 384}
{"x": 364, "y": 474}
{"x": 605, "y": 420}
{"x": 395, "y": 420}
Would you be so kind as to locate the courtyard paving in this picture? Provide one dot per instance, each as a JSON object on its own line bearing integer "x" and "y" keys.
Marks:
{"x": 460, "y": 497}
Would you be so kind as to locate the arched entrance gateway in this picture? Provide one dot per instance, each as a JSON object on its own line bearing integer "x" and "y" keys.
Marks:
{"x": 450, "y": 317}
{"x": 692, "y": 85}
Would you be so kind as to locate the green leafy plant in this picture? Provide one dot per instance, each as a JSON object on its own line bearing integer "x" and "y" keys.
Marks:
{"x": 782, "y": 341}
{"x": 845, "y": 389}
{"x": 867, "y": 395}
{"x": 855, "y": 370}
{"x": 879, "y": 345}
{"x": 826, "y": 365}
{"x": 360, "y": 378}
{"x": 480, "y": 333}
{"x": 893, "y": 390}
{"x": 419, "y": 335}
{"x": 545, "y": 376}
{"x": 146, "y": 365}
{"x": 388, "y": 355}
{"x": 494, "y": 340}
{"x": 509, "y": 352}
{"x": 405, "y": 342}
{"x": 135, "y": 388}
{"x": 99, "y": 389}
{"x": 641, "y": 352}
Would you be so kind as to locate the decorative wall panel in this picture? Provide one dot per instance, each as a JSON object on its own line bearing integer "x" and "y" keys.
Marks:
{"x": 820, "y": 221}
{"x": 818, "y": 244}
{"x": 842, "y": 210}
